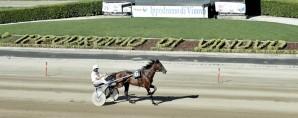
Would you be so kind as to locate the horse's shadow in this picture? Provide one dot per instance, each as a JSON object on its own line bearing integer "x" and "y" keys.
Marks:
{"x": 158, "y": 99}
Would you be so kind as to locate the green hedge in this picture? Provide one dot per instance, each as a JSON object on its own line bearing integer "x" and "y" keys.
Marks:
{"x": 79, "y": 41}
{"x": 89, "y": 8}
{"x": 279, "y": 8}
{"x": 5, "y": 35}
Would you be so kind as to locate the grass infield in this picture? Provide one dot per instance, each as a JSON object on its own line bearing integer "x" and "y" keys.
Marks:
{"x": 160, "y": 27}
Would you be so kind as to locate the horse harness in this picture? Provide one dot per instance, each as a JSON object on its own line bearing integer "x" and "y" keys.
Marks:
{"x": 137, "y": 74}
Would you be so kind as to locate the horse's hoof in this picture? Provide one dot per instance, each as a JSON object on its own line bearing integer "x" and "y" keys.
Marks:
{"x": 132, "y": 101}
{"x": 154, "y": 103}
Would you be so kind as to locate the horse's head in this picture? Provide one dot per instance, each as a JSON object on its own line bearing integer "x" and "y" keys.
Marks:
{"x": 159, "y": 67}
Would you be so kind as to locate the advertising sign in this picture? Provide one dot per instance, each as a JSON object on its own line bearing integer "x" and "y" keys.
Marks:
{"x": 170, "y": 11}
{"x": 230, "y": 7}
{"x": 115, "y": 7}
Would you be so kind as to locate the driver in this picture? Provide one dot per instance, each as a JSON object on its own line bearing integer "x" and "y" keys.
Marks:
{"x": 97, "y": 78}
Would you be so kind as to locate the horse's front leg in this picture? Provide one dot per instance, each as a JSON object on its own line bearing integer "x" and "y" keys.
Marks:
{"x": 152, "y": 86}
{"x": 151, "y": 93}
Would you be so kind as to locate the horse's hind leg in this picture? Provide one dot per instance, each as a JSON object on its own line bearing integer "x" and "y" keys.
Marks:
{"x": 126, "y": 88}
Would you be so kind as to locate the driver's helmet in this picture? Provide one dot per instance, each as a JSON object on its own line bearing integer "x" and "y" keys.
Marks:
{"x": 95, "y": 67}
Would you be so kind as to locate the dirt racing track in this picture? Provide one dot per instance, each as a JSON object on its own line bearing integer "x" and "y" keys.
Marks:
{"x": 190, "y": 89}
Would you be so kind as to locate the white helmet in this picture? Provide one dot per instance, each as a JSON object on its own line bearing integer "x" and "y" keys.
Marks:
{"x": 94, "y": 67}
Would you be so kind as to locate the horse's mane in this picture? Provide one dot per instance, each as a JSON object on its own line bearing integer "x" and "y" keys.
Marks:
{"x": 149, "y": 65}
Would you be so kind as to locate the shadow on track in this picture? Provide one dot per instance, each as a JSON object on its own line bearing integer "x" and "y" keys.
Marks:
{"x": 158, "y": 99}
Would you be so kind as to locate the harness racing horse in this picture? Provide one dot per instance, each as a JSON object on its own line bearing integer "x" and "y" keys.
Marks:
{"x": 144, "y": 80}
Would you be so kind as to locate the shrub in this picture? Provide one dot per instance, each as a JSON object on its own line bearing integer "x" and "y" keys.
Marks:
{"x": 281, "y": 44}
{"x": 86, "y": 41}
{"x": 135, "y": 42}
{"x": 96, "y": 42}
{"x": 243, "y": 44}
{"x": 272, "y": 45}
{"x": 230, "y": 44}
{"x": 121, "y": 41}
{"x": 109, "y": 41}
{"x": 204, "y": 44}
{"x": 89, "y": 8}
{"x": 176, "y": 43}
{"x": 18, "y": 41}
{"x": 59, "y": 40}
{"x": 73, "y": 40}
{"x": 27, "y": 38}
{"x": 256, "y": 44}
{"x": 216, "y": 42}
{"x": 167, "y": 44}
{"x": 45, "y": 39}
{"x": 264, "y": 44}
{"x": 221, "y": 44}
{"x": 5, "y": 35}
{"x": 124, "y": 43}
{"x": 279, "y": 8}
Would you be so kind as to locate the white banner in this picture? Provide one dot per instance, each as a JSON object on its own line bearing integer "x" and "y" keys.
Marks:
{"x": 230, "y": 7}
{"x": 115, "y": 7}
{"x": 170, "y": 11}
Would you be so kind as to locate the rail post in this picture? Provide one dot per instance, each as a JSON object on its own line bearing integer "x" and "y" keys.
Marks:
{"x": 218, "y": 78}
{"x": 46, "y": 69}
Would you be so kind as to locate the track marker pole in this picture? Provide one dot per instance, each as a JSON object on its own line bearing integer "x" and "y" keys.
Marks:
{"x": 218, "y": 78}
{"x": 46, "y": 69}
{"x": 222, "y": 79}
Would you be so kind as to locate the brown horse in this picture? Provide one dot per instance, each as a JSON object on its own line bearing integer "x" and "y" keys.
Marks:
{"x": 125, "y": 78}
